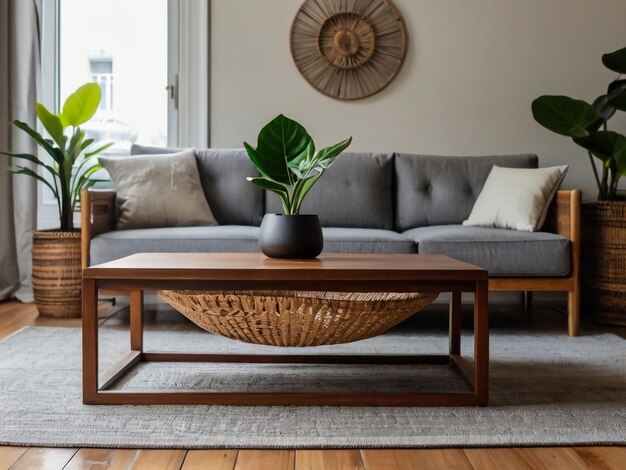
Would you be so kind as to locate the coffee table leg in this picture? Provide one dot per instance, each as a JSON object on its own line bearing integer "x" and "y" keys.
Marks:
{"x": 136, "y": 320}
{"x": 90, "y": 340}
{"x": 455, "y": 323}
{"x": 481, "y": 343}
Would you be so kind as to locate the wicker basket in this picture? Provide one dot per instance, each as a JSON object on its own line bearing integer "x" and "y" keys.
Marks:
{"x": 57, "y": 274}
{"x": 289, "y": 318}
{"x": 603, "y": 263}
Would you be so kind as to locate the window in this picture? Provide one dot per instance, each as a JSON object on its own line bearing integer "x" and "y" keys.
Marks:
{"x": 102, "y": 74}
{"x": 103, "y": 41}
{"x": 128, "y": 47}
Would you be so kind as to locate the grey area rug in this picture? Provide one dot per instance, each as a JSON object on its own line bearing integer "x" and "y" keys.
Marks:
{"x": 545, "y": 390}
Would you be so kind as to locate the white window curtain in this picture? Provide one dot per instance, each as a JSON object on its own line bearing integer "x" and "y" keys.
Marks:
{"x": 20, "y": 39}
{"x": 193, "y": 93}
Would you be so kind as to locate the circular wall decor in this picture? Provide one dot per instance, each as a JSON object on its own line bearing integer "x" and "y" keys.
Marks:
{"x": 348, "y": 49}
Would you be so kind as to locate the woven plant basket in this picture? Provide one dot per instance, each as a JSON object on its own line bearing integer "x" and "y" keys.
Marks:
{"x": 57, "y": 274}
{"x": 603, "y": 263}
{"x": 290, "y": 318}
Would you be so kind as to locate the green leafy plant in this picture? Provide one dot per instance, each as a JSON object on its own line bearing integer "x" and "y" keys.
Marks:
{"x": 586, "y": 124}
{"x": 68, "y": 173}
{"x": 285, "y": 157}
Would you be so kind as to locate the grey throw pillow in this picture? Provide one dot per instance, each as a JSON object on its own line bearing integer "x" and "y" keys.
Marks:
{"x": 158, "y": 190}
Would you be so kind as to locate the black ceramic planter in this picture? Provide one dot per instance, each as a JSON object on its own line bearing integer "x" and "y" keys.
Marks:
{"x": 291, "y": 236}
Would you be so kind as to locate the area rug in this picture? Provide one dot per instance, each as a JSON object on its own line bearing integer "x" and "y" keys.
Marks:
{"x": 546, "y": 389}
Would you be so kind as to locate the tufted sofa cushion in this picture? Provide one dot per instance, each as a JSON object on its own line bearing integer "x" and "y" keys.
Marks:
{"x": 355, "y": 192}
{"x": 432, "y": 190}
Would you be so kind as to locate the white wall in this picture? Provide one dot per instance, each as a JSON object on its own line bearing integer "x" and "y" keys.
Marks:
{"x": 471, "y": 72}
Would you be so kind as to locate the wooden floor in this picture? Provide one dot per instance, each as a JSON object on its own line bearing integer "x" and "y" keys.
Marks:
{"x": 14, "y": 315}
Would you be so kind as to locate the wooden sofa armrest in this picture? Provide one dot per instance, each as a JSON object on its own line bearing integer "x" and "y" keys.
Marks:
{"x": 564, "y": 215}
{"x": 564, "y": 219}
{"x": 97, "y": 215}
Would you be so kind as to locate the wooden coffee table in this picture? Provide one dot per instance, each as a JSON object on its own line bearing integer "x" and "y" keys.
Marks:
{"x": 251, "y": 271}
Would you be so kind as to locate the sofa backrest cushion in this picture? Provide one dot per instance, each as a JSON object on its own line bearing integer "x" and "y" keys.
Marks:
{"x": 433, "y": 190}
{"x": 223, "y": 173}
{"x": 355, "y": 192}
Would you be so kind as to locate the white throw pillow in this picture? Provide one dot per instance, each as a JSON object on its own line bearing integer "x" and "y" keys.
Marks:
{"x": 516, "y": 198}
{"x": 158, "y": 190}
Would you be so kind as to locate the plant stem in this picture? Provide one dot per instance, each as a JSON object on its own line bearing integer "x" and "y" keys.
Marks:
{"x": 613, "y": 187}
{"x": 604, "y": 185}
{"x": 595, "y": 170}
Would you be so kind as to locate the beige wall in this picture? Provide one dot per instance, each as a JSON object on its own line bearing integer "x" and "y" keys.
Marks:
{"x": 472, "y": 70}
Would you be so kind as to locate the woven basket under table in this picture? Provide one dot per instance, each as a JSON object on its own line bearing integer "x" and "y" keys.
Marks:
{"x": 296, "y": 318}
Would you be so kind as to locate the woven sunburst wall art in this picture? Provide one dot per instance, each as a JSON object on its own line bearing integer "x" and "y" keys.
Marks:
{"x": 348, "y": 49}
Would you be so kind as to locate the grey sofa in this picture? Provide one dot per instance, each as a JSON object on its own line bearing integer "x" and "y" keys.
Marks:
{"x": 368, "y": 203}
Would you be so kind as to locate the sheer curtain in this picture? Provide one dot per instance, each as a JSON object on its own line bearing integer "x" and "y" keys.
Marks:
{"x": 20, "y": 28}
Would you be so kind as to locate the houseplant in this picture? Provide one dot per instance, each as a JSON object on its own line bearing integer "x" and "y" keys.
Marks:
{"x": 604, "y": 220}
{"x": 289, "y": 166}
{"x": 67, "y": 169}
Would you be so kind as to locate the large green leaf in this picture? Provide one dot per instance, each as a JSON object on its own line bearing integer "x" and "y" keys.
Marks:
{"x": 256, "y": 159}
{"x": 564, "y": 115}
{"x": 20, "y": 170}
{"x": 616, "y": 61}
{"x": 98, "y": 150}
{"x": 31, "y": 158}
{"x": 55, "y": 153}
{"x": 605, "y": 109}
{"x": 52, "y": 123}
{"x": 332, "y": 152}
{"x": 81, "y": 105}
{"x": 279, "y": 142}
{"x": 617, "y": 94}
{"x": 275, "y": 187}
{"x": 80, "y": 180}
{"x": 604, "y": 145}
{"x": 302, "y": 189}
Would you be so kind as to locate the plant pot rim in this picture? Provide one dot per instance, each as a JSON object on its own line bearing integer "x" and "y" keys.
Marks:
{"x": 56, "y": 233}
{"x": 603, "y": 203}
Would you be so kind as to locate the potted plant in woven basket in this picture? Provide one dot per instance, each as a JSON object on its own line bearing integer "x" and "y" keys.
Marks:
{"x": 289, "y": 166}
{"x": 603, "y": 220}
{"x": 67, "y": 169}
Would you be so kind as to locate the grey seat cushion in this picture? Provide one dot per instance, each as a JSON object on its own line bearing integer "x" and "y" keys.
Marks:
{"x": 355, "y": 192}
{"x": 220, "y": 238}
{"x": 501, "y": 252}
{"x": 234, "y": 238}
{"x": 223, "y": 173}
{"x": 432, "y": 190}
{"x": 365, "y": 240}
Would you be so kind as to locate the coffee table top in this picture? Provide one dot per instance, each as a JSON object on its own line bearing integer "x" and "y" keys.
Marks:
{"x": 257, "y": 267}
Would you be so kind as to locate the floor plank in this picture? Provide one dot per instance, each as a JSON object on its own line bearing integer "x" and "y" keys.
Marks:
{"x": 388, "y": 459}
{"x": 210, "y": 460}
{"x": 601, "y": 458}
{"x": 500, "y": 459}
{"x": 427, "y": 459}
{"x": 345, "y": 459}
{"x": 550, "y": 458}
{"x": 9, "y": 455}
{"x": 265, "y": 459}
{"x": 101, "y": 459}
{"x": 44, "y": 459}
{"x": 416, "y": 459}
{"x": 158, "y": 459}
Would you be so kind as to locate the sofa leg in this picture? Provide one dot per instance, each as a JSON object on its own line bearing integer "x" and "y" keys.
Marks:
{"x": 573, "y": 313}
{"x": 528, "y": 301}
